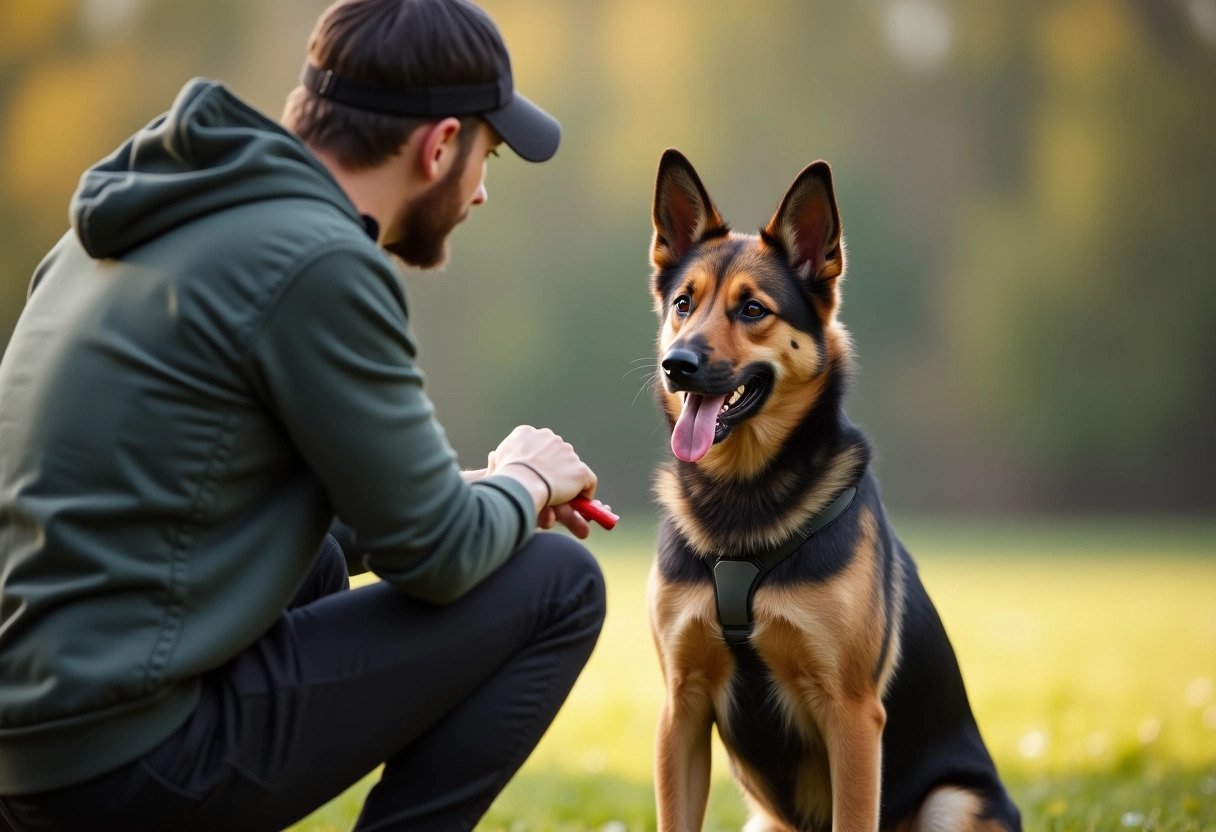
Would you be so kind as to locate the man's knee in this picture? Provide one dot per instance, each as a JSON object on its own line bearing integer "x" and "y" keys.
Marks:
{"x": 575, "y": 569}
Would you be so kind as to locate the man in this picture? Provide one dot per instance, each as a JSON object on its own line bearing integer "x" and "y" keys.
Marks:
{"x": 211, "y": 365}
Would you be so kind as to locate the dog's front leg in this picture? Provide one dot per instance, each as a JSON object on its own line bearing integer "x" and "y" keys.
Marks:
{"x": 682, "y": 760}
{"x": 853, "y": 734}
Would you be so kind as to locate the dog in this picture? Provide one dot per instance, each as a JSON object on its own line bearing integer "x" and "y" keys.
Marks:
{"x": 783, "y": 606}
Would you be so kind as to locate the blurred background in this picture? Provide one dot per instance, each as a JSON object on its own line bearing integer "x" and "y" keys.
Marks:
{"x": 1028, "y": 192}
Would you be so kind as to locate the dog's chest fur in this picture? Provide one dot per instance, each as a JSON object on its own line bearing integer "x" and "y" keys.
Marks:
{"x": 820, "y": 633}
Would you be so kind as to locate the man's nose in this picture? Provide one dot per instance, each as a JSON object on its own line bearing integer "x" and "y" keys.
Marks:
{"x": 681, "y": 363}
{"x": 481, "y": 196}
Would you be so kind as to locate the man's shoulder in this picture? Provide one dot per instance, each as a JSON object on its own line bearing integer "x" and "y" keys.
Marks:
{"x": 268, "y": 243}
{"x": 298, "y": 224}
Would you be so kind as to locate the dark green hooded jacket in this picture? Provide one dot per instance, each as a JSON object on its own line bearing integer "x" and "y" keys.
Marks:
{"x": 213, "y": 363}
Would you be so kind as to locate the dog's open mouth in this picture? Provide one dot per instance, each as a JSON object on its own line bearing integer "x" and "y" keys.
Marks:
{"x": 708, "y": 419}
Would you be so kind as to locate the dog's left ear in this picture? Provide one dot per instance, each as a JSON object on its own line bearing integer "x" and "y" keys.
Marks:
{"x": 807, "y": 224}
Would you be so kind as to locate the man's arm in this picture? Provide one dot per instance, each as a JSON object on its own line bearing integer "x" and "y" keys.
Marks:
{"x": 334, "y": 360}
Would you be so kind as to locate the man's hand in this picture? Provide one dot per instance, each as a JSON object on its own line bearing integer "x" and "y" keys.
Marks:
{"x": 551, "y": 471}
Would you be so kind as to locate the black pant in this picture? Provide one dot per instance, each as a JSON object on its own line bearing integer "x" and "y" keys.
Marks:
{"x": 452, "y": 698}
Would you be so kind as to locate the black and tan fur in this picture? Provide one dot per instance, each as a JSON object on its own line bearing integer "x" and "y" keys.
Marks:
{"x": 847, "y": 710}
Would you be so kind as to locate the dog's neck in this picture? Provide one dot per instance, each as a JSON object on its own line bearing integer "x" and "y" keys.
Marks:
{"x": 729, "y": 517}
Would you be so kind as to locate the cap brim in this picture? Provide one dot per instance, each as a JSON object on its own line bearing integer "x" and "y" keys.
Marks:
{"x": 526, "y": 128}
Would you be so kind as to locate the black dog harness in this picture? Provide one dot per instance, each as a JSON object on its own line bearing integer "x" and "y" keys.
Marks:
{"x": 735, "y": 580}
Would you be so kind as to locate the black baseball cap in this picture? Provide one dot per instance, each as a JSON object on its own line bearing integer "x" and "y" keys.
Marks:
{"x": 526, "y": 128}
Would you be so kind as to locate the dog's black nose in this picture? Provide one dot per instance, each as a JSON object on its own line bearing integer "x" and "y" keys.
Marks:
{"x": 679, "y": 363}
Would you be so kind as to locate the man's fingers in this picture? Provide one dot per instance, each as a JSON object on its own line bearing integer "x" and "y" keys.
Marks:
{"x": 592, "y": 480}
{"x": 578, "y": 526}
{"x": 573, "y": 521}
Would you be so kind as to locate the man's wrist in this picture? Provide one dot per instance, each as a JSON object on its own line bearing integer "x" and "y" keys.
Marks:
{"x": 532, "y": 479}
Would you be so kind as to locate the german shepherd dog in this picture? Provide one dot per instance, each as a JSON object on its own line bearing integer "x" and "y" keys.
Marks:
{"x": 839, "y": 701}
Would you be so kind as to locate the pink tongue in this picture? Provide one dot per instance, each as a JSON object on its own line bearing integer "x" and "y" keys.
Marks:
{"x": 694, "y": 433}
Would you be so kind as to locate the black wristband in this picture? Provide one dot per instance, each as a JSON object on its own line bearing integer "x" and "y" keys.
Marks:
{"x": 543, "y": 478}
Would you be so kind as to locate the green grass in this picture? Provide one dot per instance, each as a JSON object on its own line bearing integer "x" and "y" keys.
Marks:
{"x": 1089, "y": 653}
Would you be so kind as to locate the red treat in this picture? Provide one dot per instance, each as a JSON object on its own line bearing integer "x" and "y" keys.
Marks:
{"x": 591, "y": 511}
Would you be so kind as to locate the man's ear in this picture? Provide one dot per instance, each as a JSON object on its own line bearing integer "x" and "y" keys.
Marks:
{"x": 439, "y": 148}
{"x": 807, "y": 225}
{"x": 683, "y": 211}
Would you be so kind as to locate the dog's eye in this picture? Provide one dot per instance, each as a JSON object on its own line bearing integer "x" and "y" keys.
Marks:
{"x": 753, "y": 309}
{"x": 683, "y": 304}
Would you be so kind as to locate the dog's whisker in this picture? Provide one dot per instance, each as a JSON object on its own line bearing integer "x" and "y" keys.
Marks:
{"x": 645, "y": 384}
{"x": 648, "y": 376}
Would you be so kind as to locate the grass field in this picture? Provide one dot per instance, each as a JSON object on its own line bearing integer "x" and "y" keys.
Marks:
{"x": 1089, "y": 653}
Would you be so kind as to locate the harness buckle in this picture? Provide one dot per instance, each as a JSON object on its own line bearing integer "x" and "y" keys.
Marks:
{"x": 735, "y": 581}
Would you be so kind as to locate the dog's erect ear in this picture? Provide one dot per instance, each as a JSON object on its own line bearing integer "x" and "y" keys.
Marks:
{"x": 683, "y": 211}
{"x": 808, "y": 224}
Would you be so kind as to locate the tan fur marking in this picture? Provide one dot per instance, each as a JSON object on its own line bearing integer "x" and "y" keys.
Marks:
{"x": 669, "y": 492}
{"x": 700, "y": 285}
{"x": 824, "y": 639}
{"x": 696, "y": 669}
{"x": 853, "y": 730}
{"x": 755, "y": 792}
{"x": 950, "y": 809}
{"x": 838, "y": 477}
{"x": 814, "y": 797}
{"x": 752, "y": 444}
{"x": 685, "y": 626}
{"x": 762, "y": 821}
{"x": 891, "y": 660}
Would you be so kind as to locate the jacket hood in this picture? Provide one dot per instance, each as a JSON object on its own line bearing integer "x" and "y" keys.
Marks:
{"x": 211, "y": 151}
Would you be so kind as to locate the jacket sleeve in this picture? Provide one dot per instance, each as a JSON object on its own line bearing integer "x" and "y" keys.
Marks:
{"x": 334, "y": 359}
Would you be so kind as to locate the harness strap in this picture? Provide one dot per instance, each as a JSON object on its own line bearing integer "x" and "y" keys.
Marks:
{"x": 735, "y": 580}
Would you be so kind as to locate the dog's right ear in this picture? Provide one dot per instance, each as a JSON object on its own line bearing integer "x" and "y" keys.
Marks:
{"x": 683, "y": 211}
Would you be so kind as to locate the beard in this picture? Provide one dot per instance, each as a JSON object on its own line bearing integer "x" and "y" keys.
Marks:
{"x": 430, "y": 218}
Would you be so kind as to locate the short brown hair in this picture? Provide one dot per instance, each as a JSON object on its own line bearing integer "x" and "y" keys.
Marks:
{"x": 396, "y": 44}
